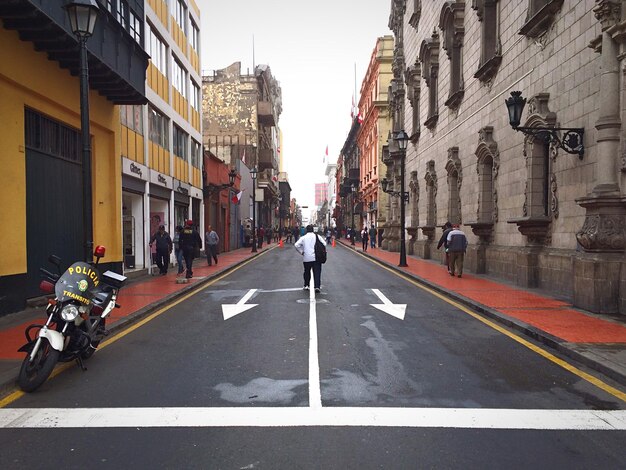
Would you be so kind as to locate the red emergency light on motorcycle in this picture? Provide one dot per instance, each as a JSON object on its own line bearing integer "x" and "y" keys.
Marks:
{"x": 99, "y": 251}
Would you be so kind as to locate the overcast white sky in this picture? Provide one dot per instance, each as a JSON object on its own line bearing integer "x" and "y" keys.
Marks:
{"x": 312, "y": 48}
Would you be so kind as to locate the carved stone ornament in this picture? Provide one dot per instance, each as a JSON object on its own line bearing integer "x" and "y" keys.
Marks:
{"x": 602, "y": 233}
{"x": 414, "y": 186}
{"x": 453, "y": 165}
{"x": 451, "y": 24}
{"x": 431, "y": 180}
{"x": 417, "y": 13}
{"x": 608, "y": 13}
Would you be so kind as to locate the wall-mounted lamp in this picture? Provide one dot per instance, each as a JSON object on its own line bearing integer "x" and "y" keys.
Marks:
{"x": 571, "y": 142}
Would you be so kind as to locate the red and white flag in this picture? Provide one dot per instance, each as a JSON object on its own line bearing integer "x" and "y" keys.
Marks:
{"x": 237, "y": 197}
{"x": 360, "y": 118}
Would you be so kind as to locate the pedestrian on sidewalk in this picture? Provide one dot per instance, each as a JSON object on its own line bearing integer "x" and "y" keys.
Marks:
{"x": 269, "y": 234}
{"x": 443, "y": 241}
{"x": 178, "y": 251}
{"x": 372, "y": 234}
{"x": 306, "y": 247}
{"x": 457, "y": 245}
{"x": 190, "y": 241}
{"x": 364, "y": 238}
{"x": 211, "y": 240}
{"x": 260, "y": 233}
{"x": 352, "y": 236}
{"x": 164, "y": 246}
{"x": 328, "y": 235}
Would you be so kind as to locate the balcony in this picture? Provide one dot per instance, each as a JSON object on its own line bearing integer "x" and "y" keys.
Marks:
{"x": 117, "y": 63}
{"x": 266, "y": 113}
{"x": 267, "y": 160}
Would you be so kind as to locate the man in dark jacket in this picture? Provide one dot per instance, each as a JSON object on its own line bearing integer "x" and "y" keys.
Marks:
{"x": 443, "y": 241}
{"x": 189, "y": 241}
{"x": 457, "y": 245}
{"x": 163, "y": 249}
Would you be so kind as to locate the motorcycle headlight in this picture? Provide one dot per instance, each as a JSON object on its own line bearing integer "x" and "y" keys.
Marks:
{"x": 69, "y": 313}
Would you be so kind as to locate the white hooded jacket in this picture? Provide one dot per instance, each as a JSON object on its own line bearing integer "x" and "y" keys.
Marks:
{"x": 306, "y": 246}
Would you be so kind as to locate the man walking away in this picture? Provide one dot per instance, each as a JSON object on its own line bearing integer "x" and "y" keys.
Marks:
{"x": 364, "y": 238}
{"x": 189, "y": 241}
{"x": 178, "y": 251}
{"x": 306, "y": 247}
{"x": 443, "y": 241}
{"x": 373, "y": 233}
{"x": 457, "y": 245}
{"x": 211, "y": 240}
{"x": 163, "y": 249}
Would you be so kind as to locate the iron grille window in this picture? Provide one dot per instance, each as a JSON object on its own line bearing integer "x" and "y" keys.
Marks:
{"x": 180, "y": 143}
{"x": 52, "y": 137}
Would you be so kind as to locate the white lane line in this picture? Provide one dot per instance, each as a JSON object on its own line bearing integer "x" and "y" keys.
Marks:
{"x": 315, "y": 393}
{"x": 288, "y": 289}
{"x": 465, "y": 418}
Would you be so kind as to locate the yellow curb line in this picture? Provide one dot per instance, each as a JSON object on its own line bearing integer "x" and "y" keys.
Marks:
{"x": 62, "y": 367}
{"x": 542, "y": 352}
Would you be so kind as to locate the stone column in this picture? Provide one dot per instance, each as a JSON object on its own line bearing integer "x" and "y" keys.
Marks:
{"x": 603, "y": 237}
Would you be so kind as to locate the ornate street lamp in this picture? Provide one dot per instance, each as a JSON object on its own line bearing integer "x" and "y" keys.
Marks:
{"x": 402, "y": 139}
{"x": 82, "y": 15}
{"x": 253, "y": 174}
{"x": 571, "y": 142}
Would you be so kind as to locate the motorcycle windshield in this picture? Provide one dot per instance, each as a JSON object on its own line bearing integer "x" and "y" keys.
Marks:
{"x": 77, "y": 283}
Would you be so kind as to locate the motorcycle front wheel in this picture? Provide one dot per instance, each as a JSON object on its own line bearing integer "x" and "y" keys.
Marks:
{"x": 33, "y": 374}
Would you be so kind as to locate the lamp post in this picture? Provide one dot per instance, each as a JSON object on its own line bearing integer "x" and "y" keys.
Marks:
{"x": 82, "y": 15}
{"x": 402, "y": 139}
{"x": 253, "y": 174}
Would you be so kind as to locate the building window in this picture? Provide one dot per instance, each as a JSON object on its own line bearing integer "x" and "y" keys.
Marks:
{"x": 490, "y": 47}
{"x": 136, "y": 25}
{"x": 195, "y": 96}
{"x": 194, "y": 37}
{"x": 413, "y": 82}
{"x": 131, "y": 116}
{"x": 429, "y": 57}
{"x": 180, "y": 14}
{"x": 451, "y": 24}
{"x": 110, "y": 6}
{"x": 180, "y": 78}
{"x": 488, "y": 164}
{"x": 455, "y": 178}
{"x": 540, "y": 16}
{"x": 158, "y": 127}
{"x": 180, "y": 142}
{"x": 157, "y": 51}
{"x": 196, "y": 153}
{"x": 122, "y": 13}
{"x": 52, "y": 137}
{"x": 417, "y": 13}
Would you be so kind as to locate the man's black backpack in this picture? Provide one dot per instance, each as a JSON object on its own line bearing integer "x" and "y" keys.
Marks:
{"x": 320, "y": 250}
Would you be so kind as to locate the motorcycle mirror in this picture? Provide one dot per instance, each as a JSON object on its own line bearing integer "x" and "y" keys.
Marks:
{"x": 99, "y": 251}
{"x": 54, "y": 259}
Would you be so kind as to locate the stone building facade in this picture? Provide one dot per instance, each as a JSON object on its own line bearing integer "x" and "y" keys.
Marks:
{"x": 535, "y": 215}
{"x": 375, "y": 126}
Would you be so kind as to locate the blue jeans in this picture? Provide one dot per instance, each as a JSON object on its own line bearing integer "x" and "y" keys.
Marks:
{"x": 179, "y": 260}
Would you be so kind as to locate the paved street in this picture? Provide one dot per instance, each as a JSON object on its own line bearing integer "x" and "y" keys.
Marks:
{"x": 189, "y": 389}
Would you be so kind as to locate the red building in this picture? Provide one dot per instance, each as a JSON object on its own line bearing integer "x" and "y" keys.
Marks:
{"x": 321, "y": 193}
{"x": 218, "y": 204}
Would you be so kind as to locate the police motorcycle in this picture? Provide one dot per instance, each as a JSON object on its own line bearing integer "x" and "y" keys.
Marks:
{"x": 76, "y": 318}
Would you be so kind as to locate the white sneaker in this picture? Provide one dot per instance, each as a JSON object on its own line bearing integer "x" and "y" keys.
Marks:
{"x": 305, "y": 288}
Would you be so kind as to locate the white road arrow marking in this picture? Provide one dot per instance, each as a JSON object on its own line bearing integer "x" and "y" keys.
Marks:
{"x": 230, "y": 310}
{"x": 395, "y": 310}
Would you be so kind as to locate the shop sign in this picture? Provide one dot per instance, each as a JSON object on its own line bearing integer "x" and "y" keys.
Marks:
{"x": 134, "y": 169}
{"x": 182, "y": 188}
{"x": 160, "y": 179}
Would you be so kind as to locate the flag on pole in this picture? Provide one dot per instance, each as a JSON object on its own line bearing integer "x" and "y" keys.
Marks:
{"x": 243, "y": 157}
{"x": 237, "y": 197}
{"x": 352, "y": 109}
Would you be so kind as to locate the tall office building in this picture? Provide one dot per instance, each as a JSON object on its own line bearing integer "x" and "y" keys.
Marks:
{"x": 161, "y": 145}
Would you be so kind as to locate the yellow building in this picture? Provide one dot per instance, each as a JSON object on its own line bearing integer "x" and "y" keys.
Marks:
{"x": 41, "y": 182}
{"x": 161, "y": 142}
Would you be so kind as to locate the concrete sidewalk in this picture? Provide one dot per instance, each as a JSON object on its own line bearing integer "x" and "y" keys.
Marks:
{"x": 597, "y": 341}
{"x": 138, "y": 299}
